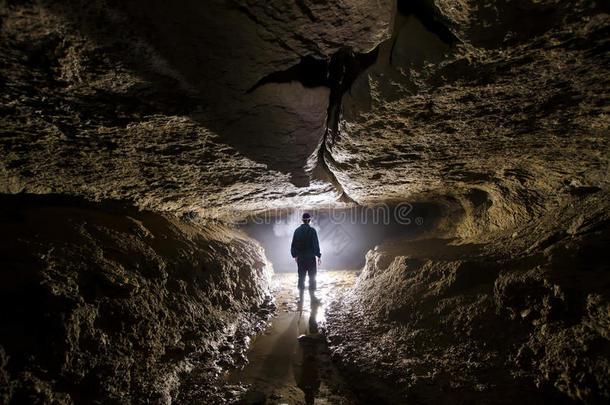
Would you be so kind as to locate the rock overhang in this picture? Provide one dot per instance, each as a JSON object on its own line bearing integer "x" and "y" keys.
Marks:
{"x": 196, "y": 109}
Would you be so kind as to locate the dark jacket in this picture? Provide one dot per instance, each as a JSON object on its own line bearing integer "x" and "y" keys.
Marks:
{"x": 305, "y": 242}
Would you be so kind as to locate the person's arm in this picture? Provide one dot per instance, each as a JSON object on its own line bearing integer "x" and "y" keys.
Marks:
{"x": 293, "y": 250}
{"x": 316, "y": 244}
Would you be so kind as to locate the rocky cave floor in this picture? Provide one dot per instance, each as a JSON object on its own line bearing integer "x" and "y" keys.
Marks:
{"x": 289, "y": 361}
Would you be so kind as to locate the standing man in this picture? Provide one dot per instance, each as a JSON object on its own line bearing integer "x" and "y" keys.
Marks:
{"x": 304, "y": 249}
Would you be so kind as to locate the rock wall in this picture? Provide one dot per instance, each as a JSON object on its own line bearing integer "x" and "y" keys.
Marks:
{"x": 497, "y": 113}
{"x": 300, "y": 103}
{"x": 448, "y": 109}
{"x": 519, "y": 316}
{"x": 102, "y": 303}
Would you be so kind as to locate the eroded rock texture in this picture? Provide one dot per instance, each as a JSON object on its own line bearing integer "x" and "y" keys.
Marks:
{"x": 496, "y": 112}
{"x": 441, "y": 113}
{"x": 106, "y": 304}
{"x": 131, "y": 101}
{"x": 523, "y": 319}
{"x": 505, "y": 125}
{"x": 224, "y": 104}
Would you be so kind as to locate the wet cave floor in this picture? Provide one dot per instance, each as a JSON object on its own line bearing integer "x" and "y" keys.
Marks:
{"x": 289, "y": 362}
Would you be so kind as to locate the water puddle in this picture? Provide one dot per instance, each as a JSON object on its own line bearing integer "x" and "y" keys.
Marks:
{"x": 289, "y": 362}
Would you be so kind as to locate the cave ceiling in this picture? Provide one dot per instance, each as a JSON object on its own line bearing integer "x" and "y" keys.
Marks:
{"x": 218, "y": 106}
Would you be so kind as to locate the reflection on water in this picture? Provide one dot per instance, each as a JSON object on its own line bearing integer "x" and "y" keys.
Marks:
{"x": 306, "y": 368}
{"x": 289, "y": 362}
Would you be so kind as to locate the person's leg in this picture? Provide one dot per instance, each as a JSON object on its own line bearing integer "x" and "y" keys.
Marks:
{"x": 311, "y": 270}
{"x": 302, "y": 270}
{"x": 301, "y": 299}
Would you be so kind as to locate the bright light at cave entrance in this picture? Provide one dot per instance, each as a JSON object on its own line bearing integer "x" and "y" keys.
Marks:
{"x": 344, "y": 235}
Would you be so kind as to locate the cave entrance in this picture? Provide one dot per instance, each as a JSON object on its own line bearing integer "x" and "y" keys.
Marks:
{"x": 345, "y": 234}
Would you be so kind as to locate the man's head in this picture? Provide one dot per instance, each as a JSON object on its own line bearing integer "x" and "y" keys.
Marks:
{"x": 306, "y": 218}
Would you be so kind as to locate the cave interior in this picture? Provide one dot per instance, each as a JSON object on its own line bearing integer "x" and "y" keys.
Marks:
{"x": 157, "y": 157}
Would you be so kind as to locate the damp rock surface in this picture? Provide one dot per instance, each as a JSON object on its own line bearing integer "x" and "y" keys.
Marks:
{"x": 518, "y": 121}
{"x": 173, "y": 103}
{"x": 451, "y": 320}
{"x": 103, "y": 303}
{"x": 289, "y": 362}
{"x": 496, "y": 113}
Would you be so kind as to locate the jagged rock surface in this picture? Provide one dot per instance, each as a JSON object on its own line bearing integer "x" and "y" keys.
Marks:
{"x": 131, "y": 101}
{"x": 495, "y": 112}
{"x": 218, "y": 107}
{"x": 103, "y": 303}
{"x": 502, "y": 124}
{"x": 524, "y": 319}
{"x": 521, "y": 121}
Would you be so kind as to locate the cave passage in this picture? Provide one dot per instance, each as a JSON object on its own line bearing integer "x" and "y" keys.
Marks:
{"x": 289, "y": 361}
{"x": 453, "y": 156}
{"x": 345, "y": 234}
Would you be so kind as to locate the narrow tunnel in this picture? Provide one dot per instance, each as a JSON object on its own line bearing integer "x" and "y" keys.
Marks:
{"x": 157, "y": 158}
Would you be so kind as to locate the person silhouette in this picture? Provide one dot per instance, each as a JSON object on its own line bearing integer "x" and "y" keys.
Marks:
{"x": 305, "y": 248}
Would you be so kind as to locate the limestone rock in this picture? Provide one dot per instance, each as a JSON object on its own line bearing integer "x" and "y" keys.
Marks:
{"x": 521, "y": 318}
{"x": 494, "y": 112}
{"x": 105, "y": 303}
